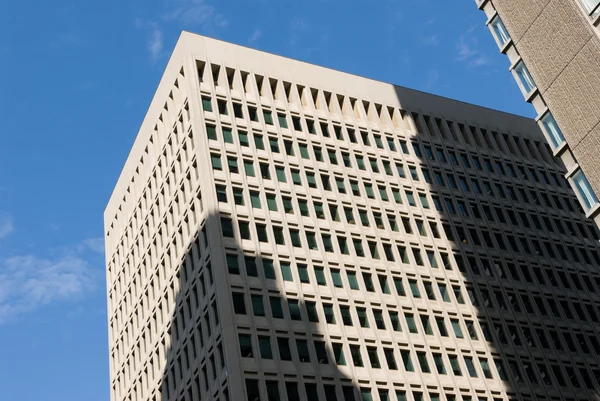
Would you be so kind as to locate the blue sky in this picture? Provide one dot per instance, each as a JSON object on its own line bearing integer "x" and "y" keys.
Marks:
{"x": 76, "y": 78}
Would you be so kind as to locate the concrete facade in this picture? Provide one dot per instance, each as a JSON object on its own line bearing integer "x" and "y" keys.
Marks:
{"x": 283, "y": 231}
{"x": 559, "y": 42}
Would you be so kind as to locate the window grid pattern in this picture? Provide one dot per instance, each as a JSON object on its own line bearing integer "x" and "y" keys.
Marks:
{"x": 331, "y": 199}
{"x": 402, "y": 241}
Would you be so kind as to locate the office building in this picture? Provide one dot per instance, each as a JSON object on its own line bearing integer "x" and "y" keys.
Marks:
{"x": 554, "y": 51}
{"x": 283, "y": 231}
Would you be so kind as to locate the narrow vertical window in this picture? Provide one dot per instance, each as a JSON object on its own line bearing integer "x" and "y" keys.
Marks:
{"x": 552, "y": 129}
{"x": 499, "y": 30}
{"x": 584, "y": 189}
{"x": 591, "y": 6}
{"x": 524, "y": 78}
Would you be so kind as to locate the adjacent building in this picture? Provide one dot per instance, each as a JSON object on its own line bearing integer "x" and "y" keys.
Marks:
{"x": 554, "y": 51}
{"x": 283, "y": 231}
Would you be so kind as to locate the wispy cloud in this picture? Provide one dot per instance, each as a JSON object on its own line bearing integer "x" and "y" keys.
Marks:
{"x": 94, "y": 244}
{"x": 154, "y": 37}
{"x": 155, "y": 41}
{"x": 468, "y": 51}
{"x": 195, "y": 12}
{"x": 6, "y": 224}
{"x": 199, "y": 15}
{"x": 298, "y": 27}
{"x": 255, "y": 36}
{"x": 433, "y": 77}
{"x": 430, "y": 40}
{"x": 30, "y": 282}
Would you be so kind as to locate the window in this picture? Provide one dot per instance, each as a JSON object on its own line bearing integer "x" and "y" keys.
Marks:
{"x": 338, "y": 354}
{"x": 252, "y": 391}
{"x": 264, "y": 343}
{"x": 500, "y": 31}
{"x": 406, "y": 360}
{"x": 249, "y": 168}
{"x": 222, "y": 104}
{"x": 311, "y": 311}
{"x": 356, "y": 356}
{"x": 268, "y": 117}
{"x": 303, "y": 353}
{"x": 282, "y": 120}
{"x": 284, "y": 349}
{"x": 264, "y": 171}
{"x": 250, "y": 263}
{"x": 273, "y": 390}
{"x": 455, "y": 365}
{"x": 321, "y": 352}
{"x": 591, "y": 6}
{"x": 286, "y": 272}
{"x": 320, "y": 275}
{"x": 373, "y": 357}
{"x": 274, "y": 145}
{"x": 353, "y": 280}
{"x": 206, "y": 104}
{"x": 470, "y": 366}
{"x": 276, "y": 309}
{"x": 422, "y": 357}
{"x": 389, "y": 357}
{"x": 485, "y": 366}
{"x": 268, "y": 269}
{"x": 296, "y": 123}
{"x": 233, "y": 265}
{"x": 395, "y": 319}
{"x": 227, "y": 135}
{"x": 414, "y": 288}
{"x": 258, "y": 308}
{"x": 221, "y": 193}
{"x": 584, "y": 189}
{"x": 245, "y": 345}
{"x": 524, "y": 78}
{"x": 379, "y": 322}
{"x": 337, "y": 278}
{"x": 439, "y": 364}
{"x": 552, "y": 129}
{"x": 255, "y": 199}
{"x": 311, "y": 391}
{"x": 272, "y": 202}
{"x": 456, "y": 327}
{"x": 227, "y": 227}
{"x": 329, "y": 315}
{"x": 232, "y": 164}
{"x": 346, "y": 316}
{"x": 410, "y": 322}
{"x": 216, "y": 161}
{"x": 239, "y": 305}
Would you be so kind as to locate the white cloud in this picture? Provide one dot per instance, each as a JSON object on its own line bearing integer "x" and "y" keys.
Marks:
{"x": 430, "y": 40}
{"x": 196, "y": 12}
{"x": 95, "y": 244}
{"x": 468, "y": 52}
{"x": 6, "y": 224}
{"x": 30, "y": 282}
{"x": 298, "y": 27}
{"x": 255, "y": 36}
{"x": 464, "y": 49}
{"x": 155, "y": 41}
{"x": 433, "y": 77}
